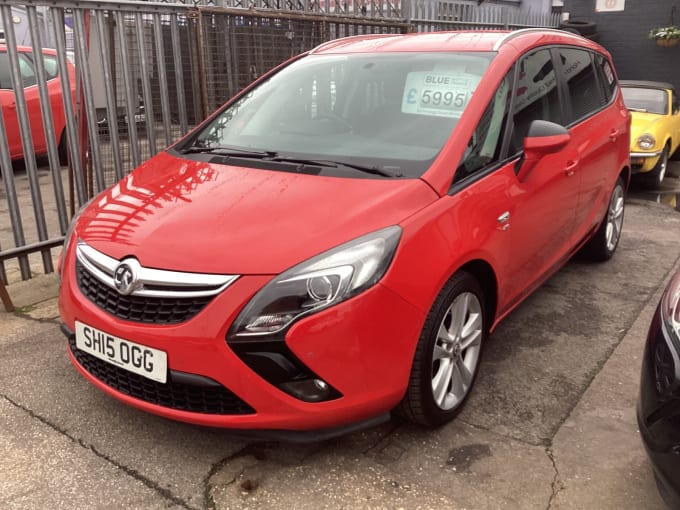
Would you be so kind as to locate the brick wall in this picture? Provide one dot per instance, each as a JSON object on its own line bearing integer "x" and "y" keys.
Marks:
{"x": 624, "y": 34}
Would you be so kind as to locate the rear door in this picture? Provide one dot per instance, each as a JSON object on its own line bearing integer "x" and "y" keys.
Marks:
{"x": 597, "y": 128}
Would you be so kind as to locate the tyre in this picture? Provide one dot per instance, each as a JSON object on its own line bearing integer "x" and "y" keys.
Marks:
{"x": 676, "y": 154}
{"x": 62, "y": 149}
{"x": 583, "y": 26}
{"x": 655, "y": 177}
{"x": 603, "y": 244}
{"x": 447, "y": 356}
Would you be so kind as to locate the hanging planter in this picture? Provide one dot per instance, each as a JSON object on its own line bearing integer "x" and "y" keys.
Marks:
{"x": 667, "y": 43}
{"x": 665, "y": 37}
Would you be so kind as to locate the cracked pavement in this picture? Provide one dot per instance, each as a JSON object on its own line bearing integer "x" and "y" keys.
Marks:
{"x": 549, "y": 425}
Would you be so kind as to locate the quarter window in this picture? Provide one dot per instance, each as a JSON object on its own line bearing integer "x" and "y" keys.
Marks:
{"x": 50, "y": 63}
{"x": 485, "y": 145}
{"x": 606, "y": 76}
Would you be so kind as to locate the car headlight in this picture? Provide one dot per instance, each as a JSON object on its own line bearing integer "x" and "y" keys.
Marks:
{"x": 670, "y": 309}
{"x": 646, "y": 141}
{"x": 69, "y": 234}
{"x": 72, "y": 225}
{"x": 320, "y": 282}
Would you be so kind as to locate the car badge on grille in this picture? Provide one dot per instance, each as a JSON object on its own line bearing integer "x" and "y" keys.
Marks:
{"x": 125, "y": 279}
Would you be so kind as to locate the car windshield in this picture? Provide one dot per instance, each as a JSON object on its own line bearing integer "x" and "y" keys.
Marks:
{"x": 646, "y": 100}
{"x": 387, "y": 112}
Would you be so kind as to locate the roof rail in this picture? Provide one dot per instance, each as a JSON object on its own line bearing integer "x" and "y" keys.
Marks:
{"x": 516, "y": 33}
{"x": 344, "y": 40}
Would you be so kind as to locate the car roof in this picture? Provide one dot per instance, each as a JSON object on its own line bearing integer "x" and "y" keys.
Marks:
{"x": 460, "y": 40}
{"x": 647, "y": 84}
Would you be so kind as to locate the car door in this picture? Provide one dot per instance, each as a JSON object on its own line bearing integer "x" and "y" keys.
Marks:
{"x": 9, "y": 105}
{"x": 597, "y": 131}
{"x": 544, "y": 199}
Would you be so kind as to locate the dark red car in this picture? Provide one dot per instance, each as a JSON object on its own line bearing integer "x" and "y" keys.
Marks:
{"x": 340, "y": 238}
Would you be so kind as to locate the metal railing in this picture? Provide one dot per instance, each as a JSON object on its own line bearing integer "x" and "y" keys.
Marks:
{"x": 434, "y": 15}
{"x": 127, "y": 78}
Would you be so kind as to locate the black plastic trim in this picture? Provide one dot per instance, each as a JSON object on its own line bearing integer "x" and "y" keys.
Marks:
{"x": 274, "y": 362}
{"x": 308, "y": 436}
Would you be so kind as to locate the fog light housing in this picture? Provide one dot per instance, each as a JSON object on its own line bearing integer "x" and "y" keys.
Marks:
{"x": 308, "y": 390}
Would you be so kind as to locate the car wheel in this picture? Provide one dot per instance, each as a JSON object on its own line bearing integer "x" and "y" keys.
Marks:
{"x": 654, "y": 178}
{"x": 603, "y": 245}
{"x": 447, "y": 356}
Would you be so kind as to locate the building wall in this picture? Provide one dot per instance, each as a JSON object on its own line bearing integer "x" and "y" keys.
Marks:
{"x": 624, "y": 34}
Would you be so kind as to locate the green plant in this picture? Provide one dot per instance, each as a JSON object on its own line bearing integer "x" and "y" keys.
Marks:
{"x": 671, "y": 32}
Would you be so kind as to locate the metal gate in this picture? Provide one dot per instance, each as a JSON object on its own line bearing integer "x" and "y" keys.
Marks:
{"x": 125, "y": 79}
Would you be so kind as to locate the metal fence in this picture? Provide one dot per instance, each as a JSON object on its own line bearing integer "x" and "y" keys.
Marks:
{"x": 431, "y": 16}
{"x": 128, "y": 78}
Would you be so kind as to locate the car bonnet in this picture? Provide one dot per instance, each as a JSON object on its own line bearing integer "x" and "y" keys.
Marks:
{"x": 184, "y": 215}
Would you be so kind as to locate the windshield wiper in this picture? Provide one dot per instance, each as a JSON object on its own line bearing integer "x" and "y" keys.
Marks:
{"x": 274, "y": 156}
{"x": 228, "y": 151}
{"x": 374, "y": 170}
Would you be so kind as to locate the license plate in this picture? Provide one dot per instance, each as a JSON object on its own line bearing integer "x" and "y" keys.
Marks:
{"x": 139, "y": 359}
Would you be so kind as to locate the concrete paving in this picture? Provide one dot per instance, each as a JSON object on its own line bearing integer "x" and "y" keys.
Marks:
{"x": 550, "y": 423}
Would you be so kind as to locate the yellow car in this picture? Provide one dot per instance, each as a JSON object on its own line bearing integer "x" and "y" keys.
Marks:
{"x": 655, "y": 128}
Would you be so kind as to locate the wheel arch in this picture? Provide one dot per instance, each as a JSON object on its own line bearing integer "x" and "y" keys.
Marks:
{"x": 626, "y": 175}
{"x": 483, "y": 272}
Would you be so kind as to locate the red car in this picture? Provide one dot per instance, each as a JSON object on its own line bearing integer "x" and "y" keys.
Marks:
{"x": 340, "y": 238}
{"x": 32, "y": 96}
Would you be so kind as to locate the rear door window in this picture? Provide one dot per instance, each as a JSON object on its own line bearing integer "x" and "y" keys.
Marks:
{"x": 586, "y": 96}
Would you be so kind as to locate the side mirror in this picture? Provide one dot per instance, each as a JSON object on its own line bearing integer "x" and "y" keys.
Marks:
{"x": 543, "y": 138}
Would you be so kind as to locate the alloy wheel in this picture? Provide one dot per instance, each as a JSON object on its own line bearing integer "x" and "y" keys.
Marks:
{"x": 456, "y": 351}
{"x": 615, "y": 217}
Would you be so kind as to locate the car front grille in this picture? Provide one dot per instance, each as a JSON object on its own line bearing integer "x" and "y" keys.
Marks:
{"x": 130, "y": 291}
{"x": 150, "y": 310}
{"x": 212, "y": 398}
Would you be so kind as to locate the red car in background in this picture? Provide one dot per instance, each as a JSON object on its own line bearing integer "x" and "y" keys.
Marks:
{"x": 31, "y": 93}
{"x": 340, "y": 238}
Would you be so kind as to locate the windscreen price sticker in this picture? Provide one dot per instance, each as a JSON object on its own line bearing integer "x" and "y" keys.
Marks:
{"x": 446, "y": 95}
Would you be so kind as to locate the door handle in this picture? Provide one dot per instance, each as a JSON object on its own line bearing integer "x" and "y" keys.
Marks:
{"x": 570, "y": 169}
{"x": 503, "y": 219}
{"x": 613, "y": 135}
{"x": 12, "y": 106}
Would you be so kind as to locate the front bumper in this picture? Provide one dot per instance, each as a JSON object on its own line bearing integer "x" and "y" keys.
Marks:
{"x": 362, "y": 347}
{"x": 643, "y": 162}
{"x": 658, "y": 410}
